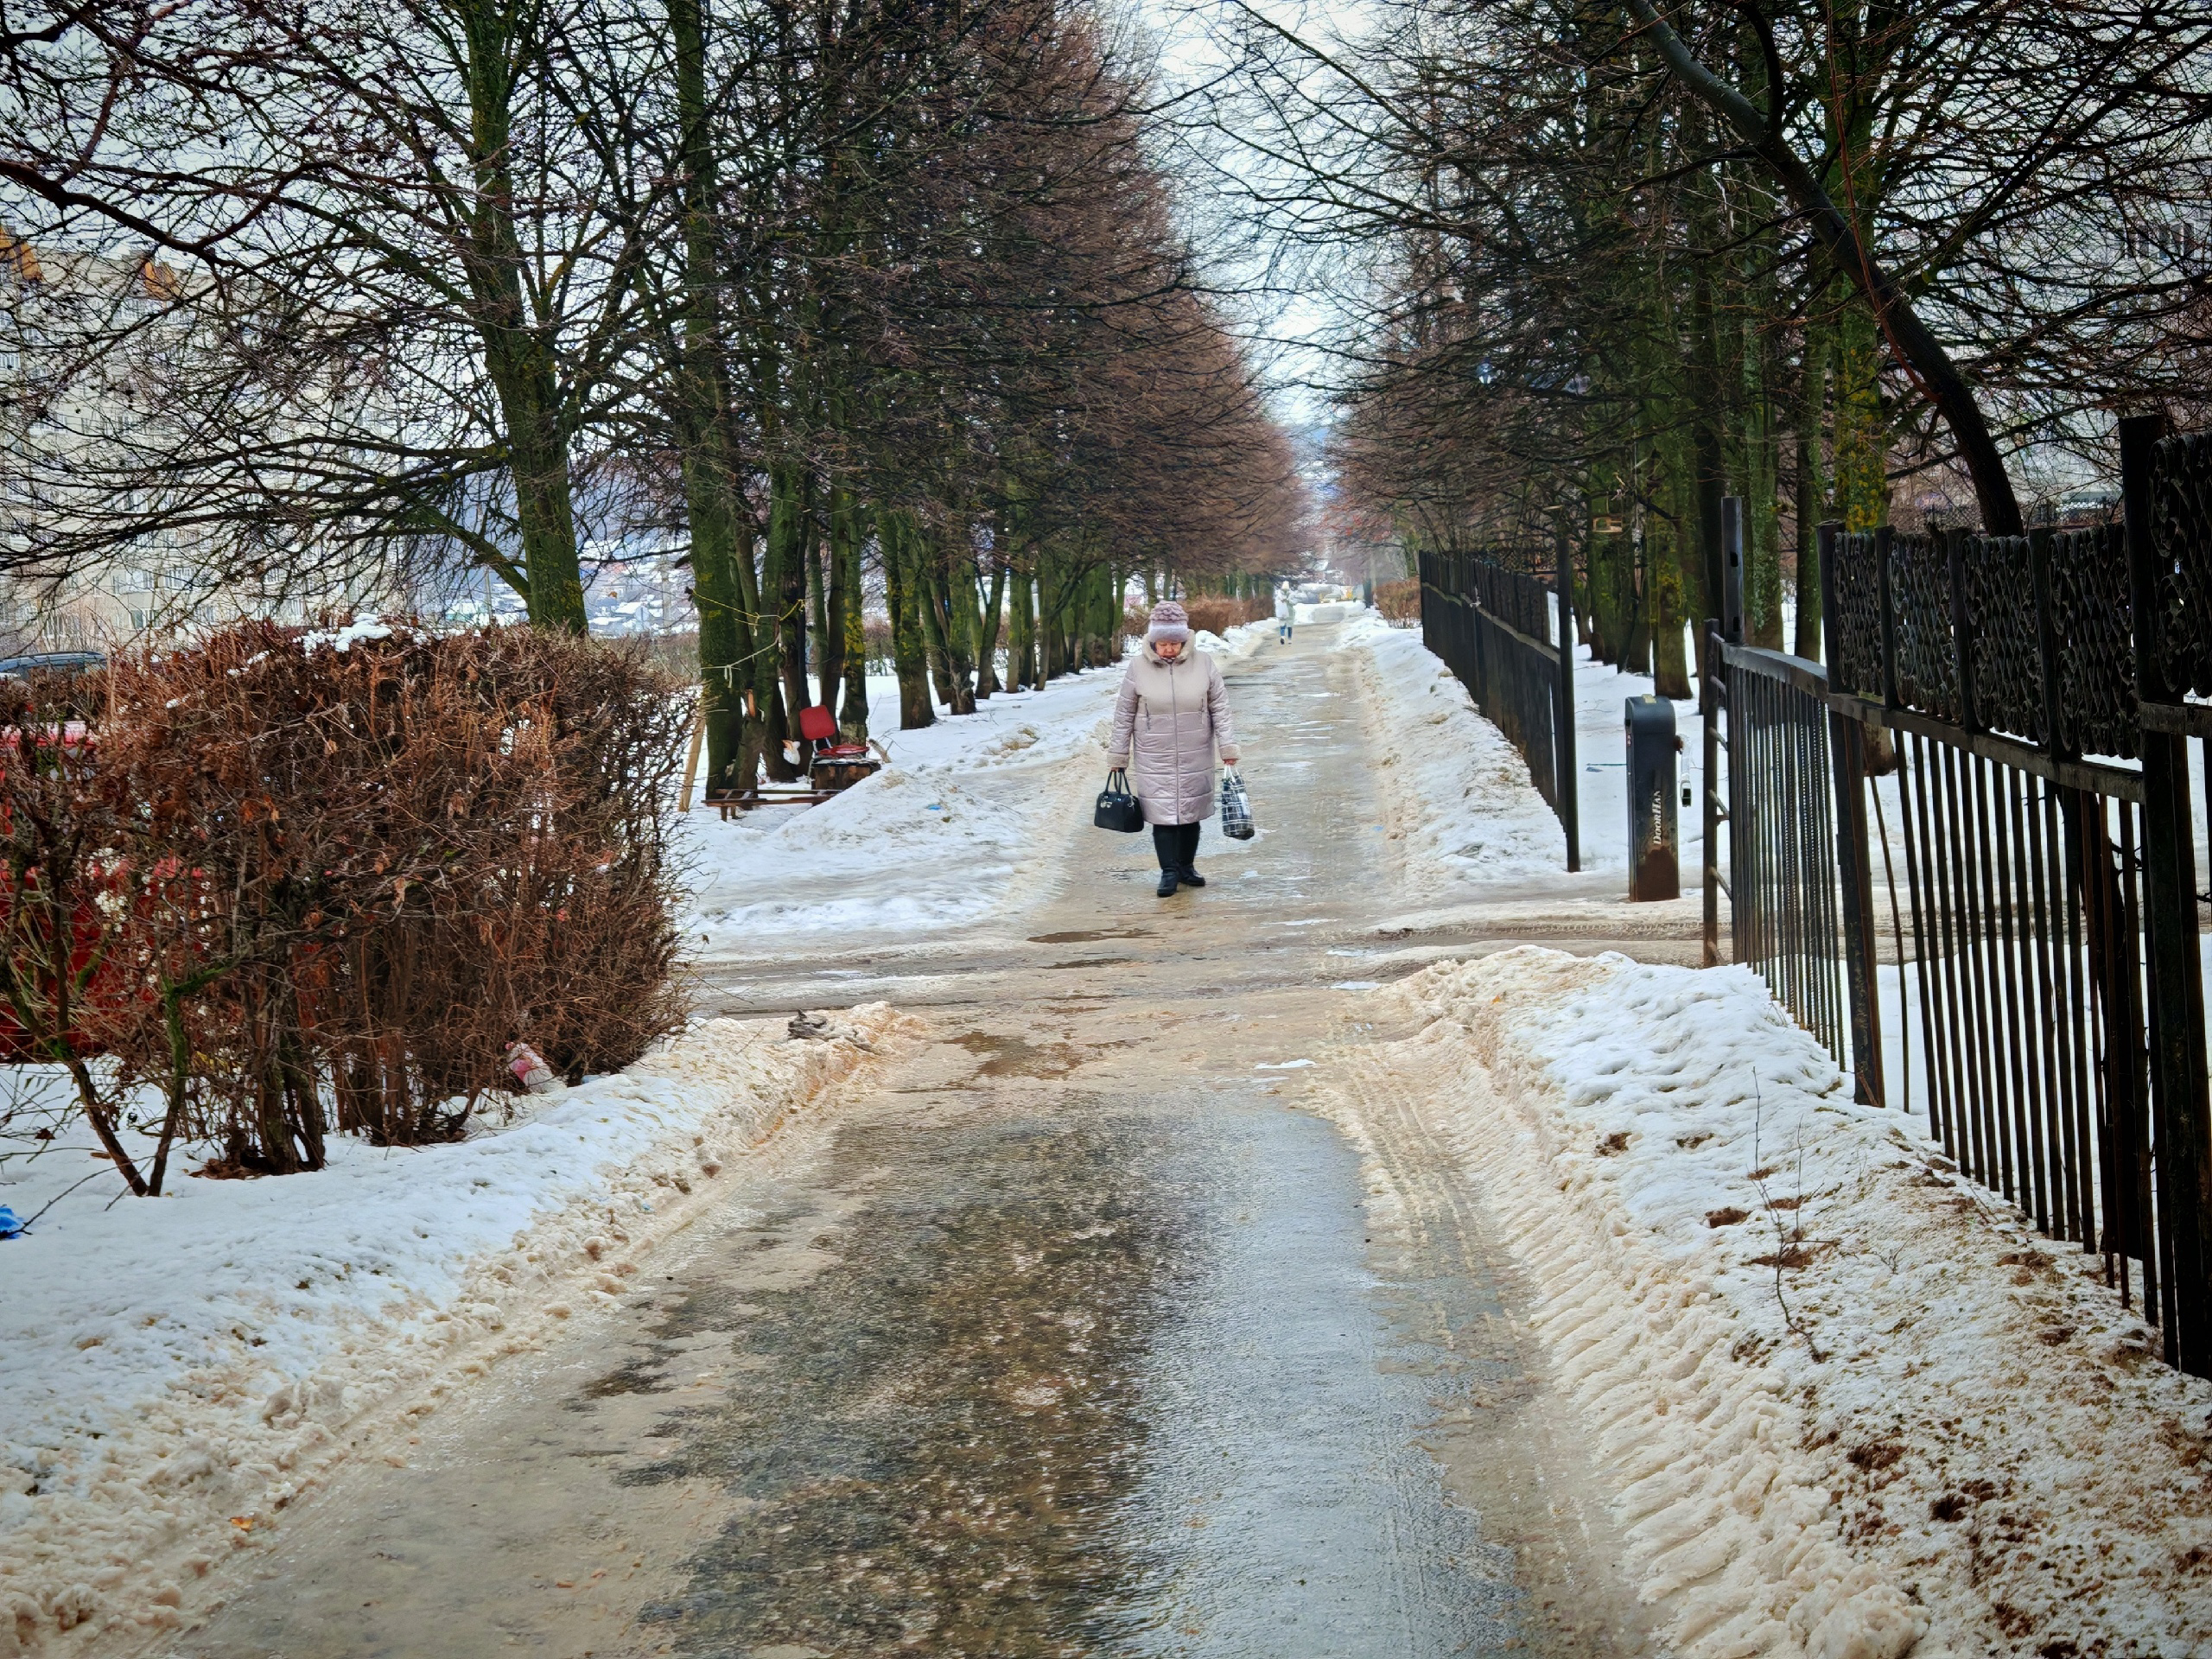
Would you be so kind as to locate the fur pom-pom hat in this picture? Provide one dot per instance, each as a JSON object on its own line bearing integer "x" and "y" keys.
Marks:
{"x": 1169, "y": 621}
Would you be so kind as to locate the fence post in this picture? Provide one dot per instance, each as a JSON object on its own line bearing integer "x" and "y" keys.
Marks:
{"x": 1727, "y": 627}
{"x": 1708, "y": 707}
{"x": 1847, "y": 764}
{"x": 2177, "y": 1056}
{"x": 1729, "y": 601}
{"x": 1568, "y": 782}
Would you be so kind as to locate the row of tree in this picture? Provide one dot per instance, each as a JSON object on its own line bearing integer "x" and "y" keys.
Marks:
{"x": 1622, "y": 260}
{"x": 873, "y": 297}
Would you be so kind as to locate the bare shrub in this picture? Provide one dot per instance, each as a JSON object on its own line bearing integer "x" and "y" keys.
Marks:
{"x": 1218, "y": 614}
{"x": 62, "y": 901}
{"x": 1398, "y": 601}
{"x": 367, "y": 860}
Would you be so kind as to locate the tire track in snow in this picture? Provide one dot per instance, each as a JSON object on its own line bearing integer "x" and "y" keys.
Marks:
{"x": 1507, "y": 1442}
{"x": 1734, "y": 1553}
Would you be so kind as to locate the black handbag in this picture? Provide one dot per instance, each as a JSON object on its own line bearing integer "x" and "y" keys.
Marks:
{"x": 1117, "y": 807}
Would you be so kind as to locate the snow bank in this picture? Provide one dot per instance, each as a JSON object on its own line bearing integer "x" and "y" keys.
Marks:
{"x": 1458, "y": 794}
{"x": 1239, "y": 641}
{"x": 1453, "y": 791}
{"x": 1335, "y": 610}
{"x": 1846, "y": 1403}
{"x": 936, "y": 838}
{"x": 179, "y": 1369}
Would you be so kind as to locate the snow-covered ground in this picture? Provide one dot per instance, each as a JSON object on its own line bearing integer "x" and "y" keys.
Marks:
{"x": 1457, "y": 794}
{"x": 933, "y": 839}
{"x": 1845, "y": 1401}
{"x": 174, "y": 1371}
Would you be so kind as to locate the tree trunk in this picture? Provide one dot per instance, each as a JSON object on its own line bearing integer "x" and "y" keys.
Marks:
{"x": 987, "y": 640}
{"x": 909, "y": 648}
{"x": 828, "y": 576}
{"x": 1636, "y": 585}
{"x": 1762, "y": 500}
{"x": 790, "y": 518}
{"x": 1862, "y": 436}
{"x": 929, "y": 582}
{"x": 1667, "y": 591}
{"x": 954, "y": 586}
{"x": 1021, "y": 631}
{"x": 1609, "y": 557}
{"x": 699, "y": 416}
{"x": 518, "y": 352}
{"x": 1812, "y": 496}
{"x": 852, "y": 719}
{"x": 1701, "y": 574}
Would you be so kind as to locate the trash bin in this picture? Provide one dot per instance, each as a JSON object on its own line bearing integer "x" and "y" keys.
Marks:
{"x": 1655, "y": 865}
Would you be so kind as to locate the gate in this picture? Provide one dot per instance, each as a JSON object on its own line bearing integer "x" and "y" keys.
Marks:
{"x": 2024, "y": 705}
{"x": 1494, "y": 628}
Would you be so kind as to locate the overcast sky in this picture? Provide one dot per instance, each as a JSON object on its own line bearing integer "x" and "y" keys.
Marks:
{"x": 1189, "y": 34}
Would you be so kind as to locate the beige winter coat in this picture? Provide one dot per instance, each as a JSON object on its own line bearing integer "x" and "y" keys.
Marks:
{"x": 1168, "y": 722}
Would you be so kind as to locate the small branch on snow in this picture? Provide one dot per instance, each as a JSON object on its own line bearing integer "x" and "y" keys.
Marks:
{"x": 1788, "y": 1242}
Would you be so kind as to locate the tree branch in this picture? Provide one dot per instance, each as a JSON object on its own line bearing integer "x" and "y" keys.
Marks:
{"x": 1917, "y": 348}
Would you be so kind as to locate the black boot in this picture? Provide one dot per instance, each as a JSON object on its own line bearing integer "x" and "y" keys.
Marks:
{"x": 1167, "y": 879}
{"x": 1190, "y": 877}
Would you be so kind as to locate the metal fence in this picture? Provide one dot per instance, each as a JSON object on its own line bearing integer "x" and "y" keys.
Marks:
{"x": 1494, "y": 627}
{"x": 2024, "y": 704}
{"x": 1782, "y": 849}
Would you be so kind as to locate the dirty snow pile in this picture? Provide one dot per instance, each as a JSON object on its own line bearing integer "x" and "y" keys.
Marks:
{"x": 935, "y": 838}
{"x": 178, "y": 1370}
{"x": 1848, "y": 1405}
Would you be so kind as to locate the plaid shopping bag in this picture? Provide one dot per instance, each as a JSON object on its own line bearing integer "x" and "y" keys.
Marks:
{"x": 1235, "y": 807}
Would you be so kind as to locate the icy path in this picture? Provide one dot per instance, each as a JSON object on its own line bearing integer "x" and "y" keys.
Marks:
{"x": 1069, "y": 1334}
{"x": 1294, "y": 1268}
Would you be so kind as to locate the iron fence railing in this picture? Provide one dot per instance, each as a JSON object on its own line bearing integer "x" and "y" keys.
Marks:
{"x": 1782, "y": 846}
{"x": 1494, "y": 627}
{"x": 2026, "y": 704}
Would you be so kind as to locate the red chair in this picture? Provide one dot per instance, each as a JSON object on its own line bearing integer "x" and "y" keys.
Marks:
{"x": 817, "y": 725}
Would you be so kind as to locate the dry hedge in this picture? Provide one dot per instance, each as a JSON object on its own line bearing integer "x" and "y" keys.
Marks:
{"x": 355, "y": 864}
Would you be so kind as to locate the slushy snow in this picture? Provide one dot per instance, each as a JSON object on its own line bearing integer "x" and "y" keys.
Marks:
{"x": 1847, "y": 1405}
{"x": 178, "y": 1370}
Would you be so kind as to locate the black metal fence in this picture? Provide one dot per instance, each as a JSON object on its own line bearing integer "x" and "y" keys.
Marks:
{"x": 1782, "y": 850}
{"x": 2030, "y": 697}
{"x": 1494, "y": 627}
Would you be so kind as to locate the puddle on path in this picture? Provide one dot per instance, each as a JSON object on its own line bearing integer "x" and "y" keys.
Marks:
{"x": 1102, "y": 1380}
{"x": 1017, "y": 1057}
{"x": 932, "y": 1438}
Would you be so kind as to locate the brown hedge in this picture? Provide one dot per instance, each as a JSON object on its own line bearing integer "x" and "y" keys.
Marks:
{"x": 358, "y": 865}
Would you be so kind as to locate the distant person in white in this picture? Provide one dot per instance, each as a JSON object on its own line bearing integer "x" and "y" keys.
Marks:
{"x": 1283, "y": 612}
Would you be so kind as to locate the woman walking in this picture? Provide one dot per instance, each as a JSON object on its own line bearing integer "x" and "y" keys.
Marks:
{"x": 1170, "y": 716}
